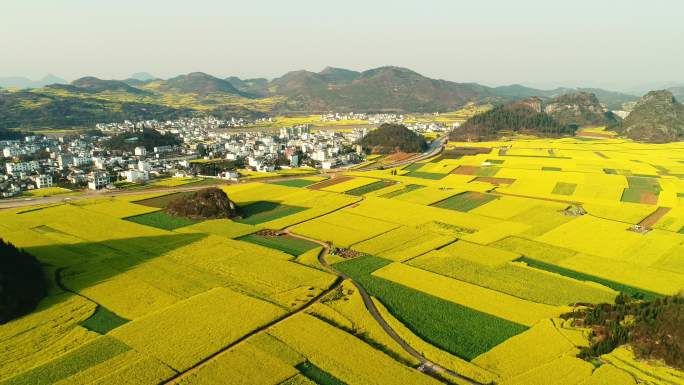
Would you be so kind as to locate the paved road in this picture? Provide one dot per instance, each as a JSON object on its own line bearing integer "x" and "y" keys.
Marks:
{"x": 435, "y": 148}
{"x": 21, "y": 202}
{"x": 426, "y": 365}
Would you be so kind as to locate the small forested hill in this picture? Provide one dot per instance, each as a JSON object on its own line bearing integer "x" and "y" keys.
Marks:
{"x": 339, "y": 75}
{"x": 658, "y": 117}
{"x": 653, "y": 329}
{"x": 148, "y": 138}
{"x": 580, "y": 108}
{"x": 22, "y": 284}
{"x": 209, "y": 203}
{"x": 197, "y": 83}
{"x": 390, "y": 138}
{"x": 522, "y": 115}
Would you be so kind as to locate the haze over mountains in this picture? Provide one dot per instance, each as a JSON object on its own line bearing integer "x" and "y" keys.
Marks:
{"x": 89, "y": 100}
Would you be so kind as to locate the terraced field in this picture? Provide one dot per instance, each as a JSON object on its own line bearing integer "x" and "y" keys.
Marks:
{"x": 453, "y": 269}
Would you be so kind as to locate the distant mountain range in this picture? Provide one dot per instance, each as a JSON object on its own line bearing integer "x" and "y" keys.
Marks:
{"x": 391, "y": 89}
{"x": 23, "y": 83}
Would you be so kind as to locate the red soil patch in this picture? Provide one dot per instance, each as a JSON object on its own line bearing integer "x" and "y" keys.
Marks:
{"x": 465, "y": 170}
{"x": 654, "y": 217}
{"x": 398, "y": 157}
{"x": 648, "y": 197}
{"x": 329, "y": 182}
{"x": 492, "y": 180}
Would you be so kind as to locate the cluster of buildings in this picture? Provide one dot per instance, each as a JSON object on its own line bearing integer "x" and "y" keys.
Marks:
{"x": 83, "y": 161}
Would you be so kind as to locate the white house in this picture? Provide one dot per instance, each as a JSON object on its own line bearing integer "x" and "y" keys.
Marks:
{"x": 98, "y": 180}
{"x": 140, "y": 151}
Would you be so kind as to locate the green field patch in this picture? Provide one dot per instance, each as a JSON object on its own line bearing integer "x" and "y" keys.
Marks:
{"x": 644, "y": 183}
{"x": 631, "y": 290}
{"x": 264, "y": 211}
{"x": 370, "y": 187}
{"x": 162, "y": 220}
{"x": 413, "y": 166}
{"x": 457, "y": 329}
{"x": 640, "y": 195}
{"x": 617, "y": 171}
{"x": 92, "y": 353}
{"x": 563, "y": 188}
{"x": 164, "y": 200}
{"x": 495, "y": 161}
{"x": 103, "y": 320}
{"x": 426, "y": 175}
{"x": 465, "y": 201}
{"x": 546, "y": 168}
{"x": 406, "y": 189}
{"x": 295, "y": 182}
{"x": 289, "y": 245}
{"x": 317, "y": 375}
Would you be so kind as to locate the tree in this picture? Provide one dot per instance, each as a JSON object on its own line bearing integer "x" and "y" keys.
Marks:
{"x": 22, "y": 284}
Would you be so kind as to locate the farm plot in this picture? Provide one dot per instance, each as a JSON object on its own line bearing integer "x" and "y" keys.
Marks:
{"x": 343, "y": 228}
{"x": 162, "y": 220}
{"x": 330, "y": 182}
{"x": 370, "y": 187}
{"x": 205, "y": 323}
{"x": 289, "y": 245}
{"x": 472, "y": 296}
{"x": 348, "y": 185}
{"x": 465, "y": 201}
{"x": 454, "y": 328}
{"x": 403, "y": 243}
{"x": 243, "y": 364}
{"x": 331, "y": 354}
{"x": 265, "y": 211}
{"x": 515, "y": 279}
{"x": 536, "y": 347}
{"x": 295, "y": 182}
{"x": 641, "y": 190}
{"x": 403, "y": 190}
{"x": 428, "y": 195}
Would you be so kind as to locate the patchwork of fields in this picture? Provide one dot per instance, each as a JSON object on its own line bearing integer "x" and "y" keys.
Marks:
{"x": 469, "y": 258}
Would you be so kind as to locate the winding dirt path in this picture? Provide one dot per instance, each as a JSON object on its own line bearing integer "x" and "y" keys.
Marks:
{"x": 426, "y": 365}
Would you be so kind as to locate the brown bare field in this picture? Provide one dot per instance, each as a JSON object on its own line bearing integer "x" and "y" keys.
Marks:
{"x": 648, "y": 197}
{"x": 398, "y": 157}
{"x": 465, "y": 170}
{"x": 493, "y": 180}
{"x": 654, "y": 217}
{"x": 329, "y": 182}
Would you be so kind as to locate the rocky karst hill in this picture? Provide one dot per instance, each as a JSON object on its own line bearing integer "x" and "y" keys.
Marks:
{"x": 657, "y": 117}
{"x": 580, "y": 109}
{"x": 391, "y": 138}
{"x": 526, "y": 115}
{"x": 209, "y": 203}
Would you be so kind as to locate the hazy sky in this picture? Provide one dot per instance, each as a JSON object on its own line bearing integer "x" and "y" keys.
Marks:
{"x": 616, "y": 43}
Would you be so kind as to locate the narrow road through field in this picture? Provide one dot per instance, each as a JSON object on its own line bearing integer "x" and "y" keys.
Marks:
{"x": 181, "y": 375}
{"x": 426, "y": 366}
{"x": 435, "y": 148}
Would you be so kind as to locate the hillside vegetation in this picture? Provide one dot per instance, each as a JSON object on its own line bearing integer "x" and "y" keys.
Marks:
{"x": 89, "y": 100}
{"x": 209, "y": 203}
{"x": 390, "y": 138}
{"x": 653, "y": 329}
{"x": 148, "y": 138}
{"x": 658, "y": 117}
{"x": 22, "y": 284}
